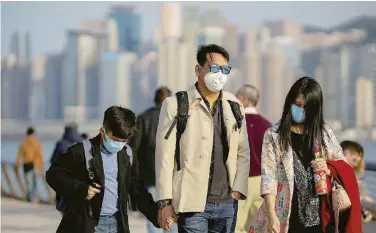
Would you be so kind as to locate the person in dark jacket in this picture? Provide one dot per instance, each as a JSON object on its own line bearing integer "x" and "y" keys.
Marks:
{"x": 70, "y": 137}
{"x": 144, "y": 143}
{"x": 101, "y": 205}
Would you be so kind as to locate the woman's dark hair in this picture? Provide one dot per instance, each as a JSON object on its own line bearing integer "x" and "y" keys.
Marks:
{"x": 120, "y": 121}
{"x": 313, "y": 106}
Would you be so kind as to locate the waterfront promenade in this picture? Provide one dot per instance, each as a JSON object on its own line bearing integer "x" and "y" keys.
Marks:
{"x": 22, "y": 217}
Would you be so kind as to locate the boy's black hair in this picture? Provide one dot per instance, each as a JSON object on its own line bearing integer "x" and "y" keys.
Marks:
{"x": 120, "y": 121}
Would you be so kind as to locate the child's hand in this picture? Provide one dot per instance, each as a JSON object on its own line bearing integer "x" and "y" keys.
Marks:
{"x": 170, "y": 222}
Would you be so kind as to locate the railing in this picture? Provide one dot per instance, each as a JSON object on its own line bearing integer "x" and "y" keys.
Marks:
{"x": 15, "y": 185}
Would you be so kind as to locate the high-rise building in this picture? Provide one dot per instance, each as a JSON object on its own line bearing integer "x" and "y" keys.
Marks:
{"x": 15, "y": 88}
{"x": 80, "y": 75}
{"x": 124, "y": 29}
{"x": 21, "y": 46}
{"x": 273, "y": 92}
{"x": 168, "y": 49}
{"x": 212, "y": 35}
{"x": 328, "y": 77}
{"x": 212, "y": 17}
{"x": 231, "y": 39}
{"x": 37, "y": 95}
{"x": 191, "y": 23}
{"x": 292, "y": 54}
{"x": 285, "y": 28}
{"x": 364, "y": 103}
{"x": 53, "y": 86}
{"x": 117, "y": 76}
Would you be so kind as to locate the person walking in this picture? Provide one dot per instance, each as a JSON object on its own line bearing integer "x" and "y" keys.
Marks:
{"x": 256, "y": 127}
{"x": 30, "y": 152}
{"x": 144, "y": 144}
{"x": 295, "y": 175}
{"x": 96, "y": 188}
{"x": 202, "y": 153}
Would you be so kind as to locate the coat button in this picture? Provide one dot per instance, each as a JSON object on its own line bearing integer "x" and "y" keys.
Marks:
{"x": 203, "y": 138}
{"x": 202, "y": 156}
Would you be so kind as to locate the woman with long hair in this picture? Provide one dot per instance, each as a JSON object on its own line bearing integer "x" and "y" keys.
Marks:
{"x": 294, "y": 155}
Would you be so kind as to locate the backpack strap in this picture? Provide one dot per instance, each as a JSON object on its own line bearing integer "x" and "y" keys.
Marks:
{"x": 180, "y": 122}
{"x": 235, "y": 108}
{"x": 88, "y": 157}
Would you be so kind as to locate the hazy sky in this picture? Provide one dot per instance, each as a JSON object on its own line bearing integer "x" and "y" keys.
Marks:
{"x": 47, "y": 21}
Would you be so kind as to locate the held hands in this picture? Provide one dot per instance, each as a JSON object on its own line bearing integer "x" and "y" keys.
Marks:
{"x": 167, "y": 217}
{"x": 93, "y": 190}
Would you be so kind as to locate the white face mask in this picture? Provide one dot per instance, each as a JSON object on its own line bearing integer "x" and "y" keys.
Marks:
{"x": 215, "y": 81}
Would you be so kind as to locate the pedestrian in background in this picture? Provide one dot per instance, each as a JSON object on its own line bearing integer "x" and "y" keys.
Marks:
{"x": 30, "y": 152}
{"x": 144, "y": 144}
{"x": 256, "y": 127}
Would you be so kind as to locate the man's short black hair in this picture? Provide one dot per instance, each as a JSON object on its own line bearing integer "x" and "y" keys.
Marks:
{"x": 120, "y": 121}
{"x": 203, "y": 50}
{"x": 161, "y": 94}
{"x": 30, "y": 131}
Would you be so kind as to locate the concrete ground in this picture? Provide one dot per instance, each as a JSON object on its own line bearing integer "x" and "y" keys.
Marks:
{"x": 22, "y": 217}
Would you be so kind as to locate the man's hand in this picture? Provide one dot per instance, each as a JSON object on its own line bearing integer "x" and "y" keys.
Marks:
{"x": 236, "y": 195}
{"x": 92, "y": 191}
{"x": 166, "y": 217}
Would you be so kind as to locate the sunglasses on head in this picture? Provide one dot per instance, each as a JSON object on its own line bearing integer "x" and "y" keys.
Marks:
{"x": 216, "y": 69}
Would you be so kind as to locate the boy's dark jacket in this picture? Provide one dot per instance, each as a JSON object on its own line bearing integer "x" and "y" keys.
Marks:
{"x": 68, "y": 176}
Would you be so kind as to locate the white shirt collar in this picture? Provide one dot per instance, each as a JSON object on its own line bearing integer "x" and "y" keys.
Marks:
{"x": 250, "y": 110}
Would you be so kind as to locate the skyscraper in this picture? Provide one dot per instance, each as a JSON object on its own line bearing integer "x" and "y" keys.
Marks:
{"x": 124, "y": 28}
{"x": 117, "y": 76}
{"x": 80, "y": 75}
{"x": 15, "y": 88}
{"x": 21, "y": 46}
{"x": 37, "y": 95}
{"x": 53, "y": 86}
{"x": 364, "y": 103}
{"x": 168, "y": 49}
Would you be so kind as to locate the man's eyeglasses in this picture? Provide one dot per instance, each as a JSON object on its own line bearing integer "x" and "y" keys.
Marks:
{"x": 216, "y": 68}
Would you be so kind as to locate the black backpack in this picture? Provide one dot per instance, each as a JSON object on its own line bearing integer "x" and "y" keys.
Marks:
{"x": 182, "y": 116}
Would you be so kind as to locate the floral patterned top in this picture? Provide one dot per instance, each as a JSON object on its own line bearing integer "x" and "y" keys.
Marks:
{"x": 277, "y": 175}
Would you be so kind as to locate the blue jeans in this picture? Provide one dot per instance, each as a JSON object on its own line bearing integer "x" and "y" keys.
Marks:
{"x": 151, "y": 227}
{"x": 110, "y": 224}
{"x": 31, "y": 183}
{"x": 217, "y": 218}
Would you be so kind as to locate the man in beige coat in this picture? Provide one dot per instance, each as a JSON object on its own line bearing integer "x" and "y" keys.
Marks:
{"x": 210, "y": 175}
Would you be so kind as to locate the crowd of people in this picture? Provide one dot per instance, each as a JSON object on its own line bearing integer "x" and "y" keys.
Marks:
{"x": 204, "y": 160}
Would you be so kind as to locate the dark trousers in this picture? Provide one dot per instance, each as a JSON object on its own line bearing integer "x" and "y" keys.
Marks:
{"x": 217, "y": 218}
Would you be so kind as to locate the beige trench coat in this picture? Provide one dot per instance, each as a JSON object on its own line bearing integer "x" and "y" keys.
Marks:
{"x": 188, "y": 187}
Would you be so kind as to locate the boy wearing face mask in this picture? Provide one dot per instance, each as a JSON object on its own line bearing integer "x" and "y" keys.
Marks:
{"x": 213, "y": 168}
{"x": 99, "y": 204}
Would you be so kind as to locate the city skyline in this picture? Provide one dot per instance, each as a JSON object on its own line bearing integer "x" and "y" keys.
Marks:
{"x": 48, "y": 36}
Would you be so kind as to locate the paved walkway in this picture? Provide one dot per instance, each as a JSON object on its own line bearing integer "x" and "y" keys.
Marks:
{"x": 21, "y": 217}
